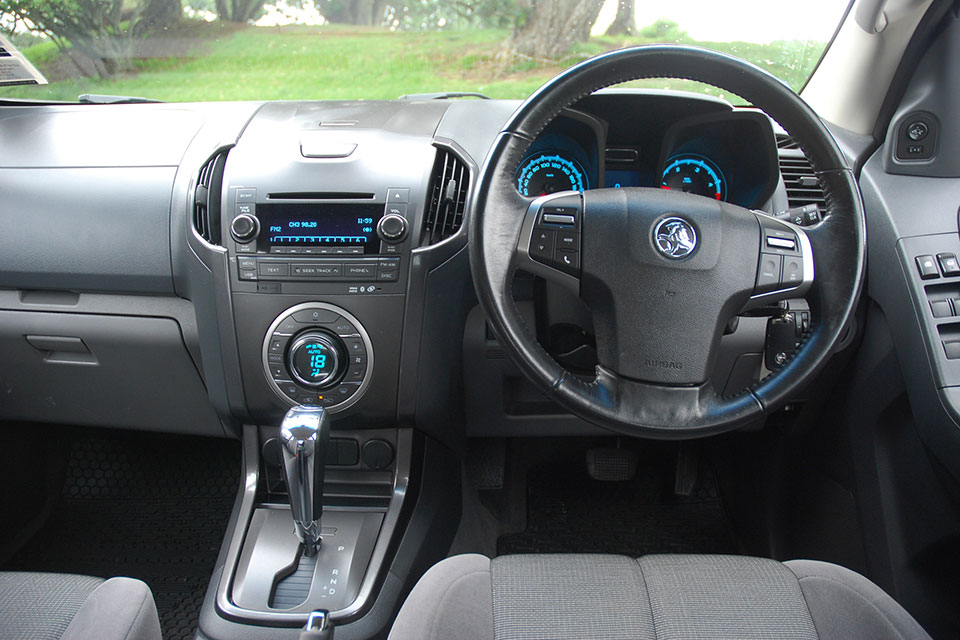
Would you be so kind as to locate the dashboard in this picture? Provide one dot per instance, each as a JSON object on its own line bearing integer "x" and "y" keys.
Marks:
{"x": 285, "y": 253}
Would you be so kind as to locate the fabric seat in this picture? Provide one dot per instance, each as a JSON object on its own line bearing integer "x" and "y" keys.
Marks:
{"x": 660, "y": 597}
{"x": 54, "y": 606}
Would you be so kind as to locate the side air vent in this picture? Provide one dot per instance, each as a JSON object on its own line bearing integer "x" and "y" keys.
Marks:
{"x": 785, "y": 141}
{"x": 802, "y": 185}
{"x": 206, "y": 198}
{"x": 448, "y": 198}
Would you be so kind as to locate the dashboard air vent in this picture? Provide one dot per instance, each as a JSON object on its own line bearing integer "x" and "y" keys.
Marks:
{"x": 802, "y": 185}
{"x": 448, "y": 198}
{"x": 206, "y": 198}
{"x": 785, "y": 141}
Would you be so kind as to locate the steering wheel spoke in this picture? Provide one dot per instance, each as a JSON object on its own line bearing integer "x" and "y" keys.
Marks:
{"x": 549, "y": 244}
{"x": 785, "y": 262}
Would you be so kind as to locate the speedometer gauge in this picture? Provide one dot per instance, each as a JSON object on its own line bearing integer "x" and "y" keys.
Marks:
{"x": 549, "y": 172}
{"x": 691, "y": 173}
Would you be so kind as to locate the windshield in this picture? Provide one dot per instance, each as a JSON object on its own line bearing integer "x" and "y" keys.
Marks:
{"x": 198, "y": 50}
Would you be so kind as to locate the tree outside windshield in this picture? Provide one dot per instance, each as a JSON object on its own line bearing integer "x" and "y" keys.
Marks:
{"x": 199, "y": 50}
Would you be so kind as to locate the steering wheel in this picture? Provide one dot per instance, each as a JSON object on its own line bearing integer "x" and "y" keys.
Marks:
{"x": 661, "y": 271}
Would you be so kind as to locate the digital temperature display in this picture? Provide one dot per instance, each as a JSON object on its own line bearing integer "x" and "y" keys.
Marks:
{"x": 320, "y": 225}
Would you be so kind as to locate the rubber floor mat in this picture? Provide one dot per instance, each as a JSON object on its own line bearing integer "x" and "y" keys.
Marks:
{"x": 568, "y": 512}
{"x": 146, "y": 506}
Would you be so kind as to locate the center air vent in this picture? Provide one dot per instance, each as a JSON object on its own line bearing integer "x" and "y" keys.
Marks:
{"x": 206, "y": 198}
{"x": 803, "y": 186}
{"x": 449, "y": 185}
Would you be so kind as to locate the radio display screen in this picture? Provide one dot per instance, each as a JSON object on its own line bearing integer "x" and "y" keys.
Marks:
{"x": 320, "y": 225}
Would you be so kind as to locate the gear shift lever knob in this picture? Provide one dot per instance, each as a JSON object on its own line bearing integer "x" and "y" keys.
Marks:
{"x": 304, "y": 435}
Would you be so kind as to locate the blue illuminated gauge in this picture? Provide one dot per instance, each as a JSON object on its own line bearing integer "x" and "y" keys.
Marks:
{"x": 548, "y": 172}
{"x": 691, "y": 173}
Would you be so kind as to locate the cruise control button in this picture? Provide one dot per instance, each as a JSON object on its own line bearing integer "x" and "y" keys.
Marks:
{"x": 781, "y": 243}
{"x": 927, "y": 267}
{"x": 948, "y": 264}
{"x": 768, "y": 273}
{"x": 792, "y": 271}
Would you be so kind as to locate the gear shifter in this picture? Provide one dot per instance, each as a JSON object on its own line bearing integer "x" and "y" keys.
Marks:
{"x": 304, "y": 436}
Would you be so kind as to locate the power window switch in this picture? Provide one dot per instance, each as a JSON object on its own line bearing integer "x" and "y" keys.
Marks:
{"x": 927, "y": 267}
{"x": 948, "y": 264}
{"x": 952, "y": 349}
{"x": 941, "y": 308}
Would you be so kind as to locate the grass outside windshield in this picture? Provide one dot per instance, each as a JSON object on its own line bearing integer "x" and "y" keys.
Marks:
{"x": 199, "y": 50}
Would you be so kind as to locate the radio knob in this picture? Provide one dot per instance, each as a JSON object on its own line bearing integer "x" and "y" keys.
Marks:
{"x": 392, "y": 228}
{"x": 314, "y": 359}
{"x": 244, "y": 227}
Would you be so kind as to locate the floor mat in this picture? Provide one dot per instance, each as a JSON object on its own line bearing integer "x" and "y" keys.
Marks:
{"x": 568, "y": 512}
{"x": 146, "y": 506}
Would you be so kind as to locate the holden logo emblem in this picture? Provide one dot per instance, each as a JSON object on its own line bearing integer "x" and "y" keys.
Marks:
{"x": 675, "y": 237}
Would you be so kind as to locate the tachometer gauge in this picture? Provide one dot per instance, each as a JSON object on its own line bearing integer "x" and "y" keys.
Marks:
{"x": 549, "y": 172}
{"x": 691, "y": 173}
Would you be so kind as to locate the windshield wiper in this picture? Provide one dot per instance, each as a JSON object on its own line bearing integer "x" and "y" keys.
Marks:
{"x": 97, "y": 98}
{"x": 444, "y": 95}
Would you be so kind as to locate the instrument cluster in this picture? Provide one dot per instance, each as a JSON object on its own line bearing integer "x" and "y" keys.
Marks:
{"x": 728, "y": 155}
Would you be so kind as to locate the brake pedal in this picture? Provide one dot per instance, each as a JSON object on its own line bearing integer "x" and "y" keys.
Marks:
{"x": 611, "y": 465}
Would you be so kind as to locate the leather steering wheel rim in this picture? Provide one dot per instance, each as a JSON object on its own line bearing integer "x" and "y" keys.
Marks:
{"x": 635, "y": 407}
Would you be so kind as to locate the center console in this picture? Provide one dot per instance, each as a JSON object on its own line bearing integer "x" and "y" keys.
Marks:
{"x": 318, "y": 222}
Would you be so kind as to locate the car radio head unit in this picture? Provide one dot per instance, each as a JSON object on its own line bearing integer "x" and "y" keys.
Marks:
{"x": 329, "y": 228}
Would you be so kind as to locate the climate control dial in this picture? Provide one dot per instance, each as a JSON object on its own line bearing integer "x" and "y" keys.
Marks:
{"x": 318, "y": 353}
{"x": 314, "y": 359}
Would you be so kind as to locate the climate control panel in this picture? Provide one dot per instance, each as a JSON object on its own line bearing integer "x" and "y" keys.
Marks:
{"x": 318, "y": 353}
